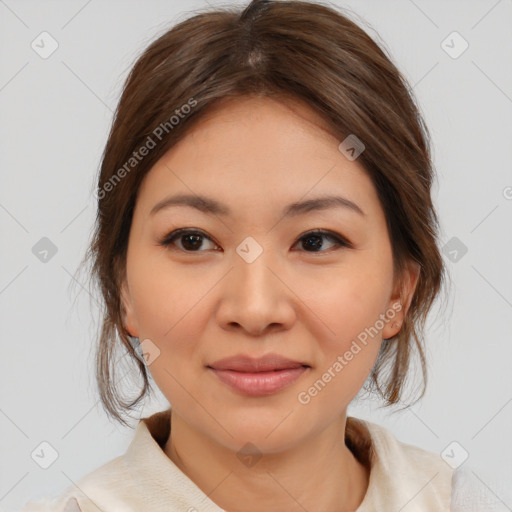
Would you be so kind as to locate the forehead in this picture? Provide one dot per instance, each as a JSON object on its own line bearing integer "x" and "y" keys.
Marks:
{"x": 258, "y": 152}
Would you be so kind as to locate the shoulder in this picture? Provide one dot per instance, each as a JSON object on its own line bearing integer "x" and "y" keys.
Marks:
{"x": 124, "y": 483}
{"x": 403, "y": 474}
{"x": 406, "y": 457}
{"x": 93, "y": 493}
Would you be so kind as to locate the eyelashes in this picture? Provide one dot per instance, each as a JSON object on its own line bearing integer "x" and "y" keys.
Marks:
{"x": 194, "y": 236}
{"x": 192, "y": 239}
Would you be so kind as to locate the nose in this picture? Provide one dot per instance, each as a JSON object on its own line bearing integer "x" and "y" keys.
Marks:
{"x": 256, "y": 297}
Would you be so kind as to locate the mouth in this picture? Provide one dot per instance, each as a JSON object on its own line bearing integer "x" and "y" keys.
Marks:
{"x": 258, "y": 376}
{"x": 259, "y": 383}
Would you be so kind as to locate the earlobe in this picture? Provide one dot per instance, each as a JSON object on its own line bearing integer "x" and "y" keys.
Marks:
{"x": 394, "y": 322}
{"x": 400, "y": 301}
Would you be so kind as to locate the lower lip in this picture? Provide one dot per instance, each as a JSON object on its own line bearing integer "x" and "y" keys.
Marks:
{"x": 261, "y": 383}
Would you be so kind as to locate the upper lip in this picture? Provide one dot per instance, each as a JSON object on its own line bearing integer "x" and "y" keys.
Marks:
{"x": 244, "y": 363}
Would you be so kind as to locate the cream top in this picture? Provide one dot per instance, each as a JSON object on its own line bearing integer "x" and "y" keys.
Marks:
{"x": 403, "y": 477}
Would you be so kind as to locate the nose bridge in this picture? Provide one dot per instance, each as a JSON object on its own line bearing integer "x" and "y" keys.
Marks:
{"x": 254, "y": 297}
{"x": 252, "y": 273}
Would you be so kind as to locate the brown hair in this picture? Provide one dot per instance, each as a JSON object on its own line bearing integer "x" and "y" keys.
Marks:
{"x": 296, "y": 49}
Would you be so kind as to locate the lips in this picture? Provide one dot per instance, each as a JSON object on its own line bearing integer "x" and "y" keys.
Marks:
{"x": 246, "y": 364}
{"x": 258, "y": 377}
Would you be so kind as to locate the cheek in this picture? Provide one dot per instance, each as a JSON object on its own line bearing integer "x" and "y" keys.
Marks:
{"x": 170, "y": 313}
{"x": 347, "y": 343}
{"x": 347, "y": 303}
{"x": 166, "y": 301}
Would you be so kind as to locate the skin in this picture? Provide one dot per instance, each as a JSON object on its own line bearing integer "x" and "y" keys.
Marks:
{"x": 257, "y": 155}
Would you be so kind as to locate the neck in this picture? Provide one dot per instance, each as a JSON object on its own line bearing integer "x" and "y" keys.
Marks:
{"x": 321, "y": 474}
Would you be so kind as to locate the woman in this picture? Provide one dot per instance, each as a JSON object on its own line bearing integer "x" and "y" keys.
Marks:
{"x": 265, "y": 244}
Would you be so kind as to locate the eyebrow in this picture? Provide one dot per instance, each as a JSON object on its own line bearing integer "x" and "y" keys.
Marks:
{"x": 209, "y": 205}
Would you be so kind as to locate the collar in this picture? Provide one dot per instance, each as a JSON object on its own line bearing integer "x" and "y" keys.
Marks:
{"x": 401, "y": 474}
{"x": 152, "y": 469}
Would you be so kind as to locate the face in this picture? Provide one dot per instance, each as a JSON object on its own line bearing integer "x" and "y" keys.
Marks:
{"x": 251, "y": 278}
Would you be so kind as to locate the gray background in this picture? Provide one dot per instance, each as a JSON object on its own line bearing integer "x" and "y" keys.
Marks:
{"x": 55, "y": 116}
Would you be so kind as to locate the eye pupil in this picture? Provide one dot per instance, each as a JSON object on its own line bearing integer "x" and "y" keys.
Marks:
{"x": 194, "y": 238}
{"x": 317, "y": 244}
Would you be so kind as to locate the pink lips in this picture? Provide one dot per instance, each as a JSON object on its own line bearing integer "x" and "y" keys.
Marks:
{"x": 256, "y": 377}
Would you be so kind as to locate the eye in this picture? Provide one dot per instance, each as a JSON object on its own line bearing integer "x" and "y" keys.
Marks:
{"x": 313, "y": 240}
{"x": 192, "y": 240}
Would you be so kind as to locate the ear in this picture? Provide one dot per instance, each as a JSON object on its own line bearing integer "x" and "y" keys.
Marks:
{"x": 127, "y": 310}
{"x": 400, "y": 300}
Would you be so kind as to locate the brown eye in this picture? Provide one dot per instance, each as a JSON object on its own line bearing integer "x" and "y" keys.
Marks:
{"x": 313, "y": 241}
{"x": 190, "y": 240}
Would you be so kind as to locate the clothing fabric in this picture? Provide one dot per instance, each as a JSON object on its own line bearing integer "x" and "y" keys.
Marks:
{"x": 144, "y": 479}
